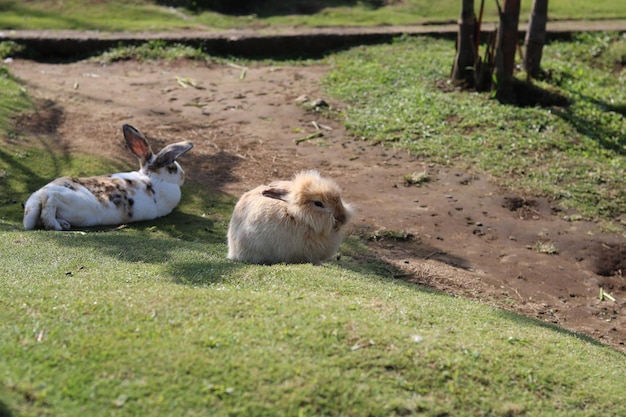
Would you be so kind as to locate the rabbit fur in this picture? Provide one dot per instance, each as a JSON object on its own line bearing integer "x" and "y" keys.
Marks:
{"x": 152, "y": 191}
{"x": 296, "y": 221}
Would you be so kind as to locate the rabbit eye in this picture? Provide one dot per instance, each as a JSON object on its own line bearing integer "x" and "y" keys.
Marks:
{"x": 319, "y": 204}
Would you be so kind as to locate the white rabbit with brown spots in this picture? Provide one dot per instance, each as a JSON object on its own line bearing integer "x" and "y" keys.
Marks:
{"x": 152, "y": 191}
{"x": 296, "y": 221}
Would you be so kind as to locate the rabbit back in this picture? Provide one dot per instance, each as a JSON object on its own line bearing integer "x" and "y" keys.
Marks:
{"x": 262, "y": 231}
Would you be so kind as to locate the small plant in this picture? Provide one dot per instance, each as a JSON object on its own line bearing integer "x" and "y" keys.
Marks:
{"x": 546, "y": 247}
{"x": 9, "y": 48}
{"x": 398, "y": 236}
{"x": 416, "y": 178}
{"x": 152, "y": 50}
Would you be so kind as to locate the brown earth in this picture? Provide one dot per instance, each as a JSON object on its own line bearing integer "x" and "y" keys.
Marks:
{"x": 457, "y": 233}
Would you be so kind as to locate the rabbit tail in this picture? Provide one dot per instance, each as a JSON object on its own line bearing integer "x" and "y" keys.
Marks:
{"x": 41, "y": 209}
{"x": 32, "y": 212}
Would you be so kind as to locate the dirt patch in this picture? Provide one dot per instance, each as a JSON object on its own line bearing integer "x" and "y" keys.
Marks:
{"x": 45, "y": 120}
{"x": 456, "y": 232}
{"x": 610, "y": 260}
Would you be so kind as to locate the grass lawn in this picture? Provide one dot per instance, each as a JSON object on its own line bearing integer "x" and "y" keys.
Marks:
{"x": 146, "y": 15}
{"x": 143, "y": 321}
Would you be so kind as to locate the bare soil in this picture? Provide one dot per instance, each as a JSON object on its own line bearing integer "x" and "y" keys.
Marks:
{"x": 457, "y": 233}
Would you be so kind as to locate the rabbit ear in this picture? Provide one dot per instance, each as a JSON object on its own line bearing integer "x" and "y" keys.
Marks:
{"x": 170, "y": 153}
{"x": 275, "y": 193}
{"x": 137, "y": 144}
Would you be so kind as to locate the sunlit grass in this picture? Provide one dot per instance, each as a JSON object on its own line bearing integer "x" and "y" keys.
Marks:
{"x": 13, "y": 98}
{"x": 146, "y": 15}
{"x": 80, "y": 15}
{"x": 576, "y": 155}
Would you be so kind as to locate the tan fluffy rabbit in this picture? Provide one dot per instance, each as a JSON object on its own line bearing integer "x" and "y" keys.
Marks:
{"x": 295, "y": 221}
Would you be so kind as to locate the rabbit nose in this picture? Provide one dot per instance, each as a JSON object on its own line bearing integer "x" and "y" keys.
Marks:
{"x": 341, "y": 219}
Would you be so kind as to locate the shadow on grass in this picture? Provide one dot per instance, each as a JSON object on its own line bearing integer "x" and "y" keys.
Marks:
{"x": 588, "y": 125}
{"x": 530, "y": 95}
{"x": 527, "y": 94}
{"x": 4, "y": 410}
{"x": 32, "y": 154}
{"x": 358, "y": 257}
{"x": 21, "y": 161}
{"x": 196, "y": 259}
{"x": 529, "y": 321}
{"x": 19, "y": 178}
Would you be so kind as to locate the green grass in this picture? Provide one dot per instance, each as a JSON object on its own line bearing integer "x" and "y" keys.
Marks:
{"x": 13, "y": 99}
{"x": 139, "y": 322}
{"x": 398, "y": 95}
{"x": 145, "y": 15}
{"x": 94, "y": 15}
{"x": 151, "y": 50}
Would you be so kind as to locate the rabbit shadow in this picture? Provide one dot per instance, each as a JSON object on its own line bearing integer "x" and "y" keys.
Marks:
{"x": 214, "y": 170}
{"x": 196, "y": 260}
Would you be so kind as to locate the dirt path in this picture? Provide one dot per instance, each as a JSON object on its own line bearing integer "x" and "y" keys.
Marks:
{"x": 471, "y": 238}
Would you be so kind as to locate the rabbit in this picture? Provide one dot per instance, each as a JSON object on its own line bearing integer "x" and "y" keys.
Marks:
{"x": 296, "y": 221}
{"x": 152, "y": 191}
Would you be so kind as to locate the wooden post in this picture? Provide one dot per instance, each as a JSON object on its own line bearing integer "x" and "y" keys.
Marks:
{"x": 506, "y": 47}
{"x": 535, "y": 37}
{"x": 465, "y": 59}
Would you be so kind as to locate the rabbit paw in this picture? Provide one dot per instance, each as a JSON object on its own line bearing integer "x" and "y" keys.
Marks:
{"x": 65, "y": 225}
